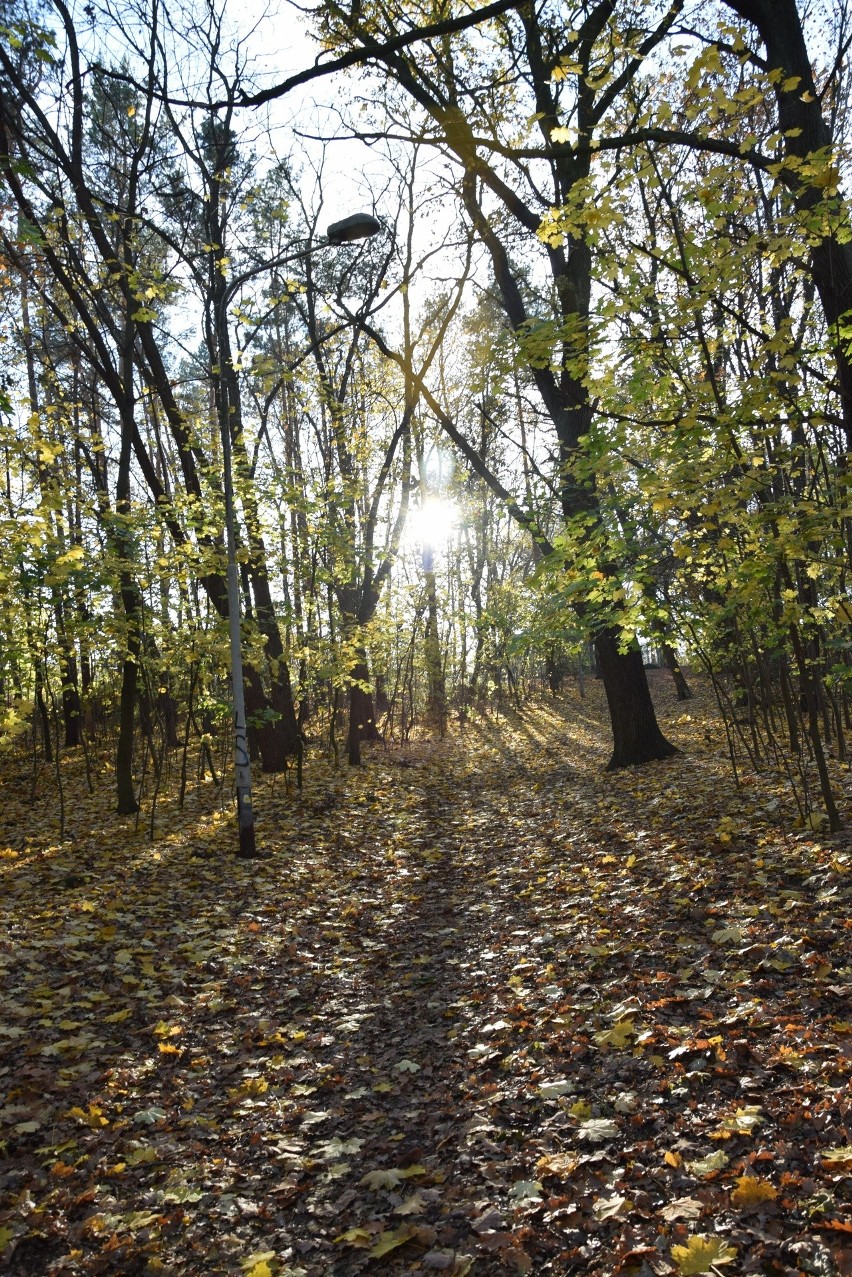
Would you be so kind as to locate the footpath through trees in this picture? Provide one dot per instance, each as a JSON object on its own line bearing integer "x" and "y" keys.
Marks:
{"x": 483, "y": 1009}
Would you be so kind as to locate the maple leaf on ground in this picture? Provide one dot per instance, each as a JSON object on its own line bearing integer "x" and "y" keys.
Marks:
{"x": 706, "y": 1165}
{"x": 841, "y": 1156}
{"x": 701, "y": 1254}
{"x": 391, "y": 1240}
{"x": 92, "y": 1116}
{"x": 359, "y": 1237}
{"x": 611, "y": 1207}
{"x": 682, "y": 1208}
{"x": 260, "y": 1264}
{"x": 413, "y": 1205}
{"x": 598, "y": 1130}
{"x": 619, "y": 1036}
{"x": 743, "y": 1121}
{"x": 559, "y": 1165}
{"x": 381, "y": 1179}
{"x": 552, "y": 1090}
{"x": 524, "y": 1190}
{"x": 751, "y": 1191}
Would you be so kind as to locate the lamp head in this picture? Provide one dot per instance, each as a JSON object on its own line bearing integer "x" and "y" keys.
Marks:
{"x": 358, "y": 226}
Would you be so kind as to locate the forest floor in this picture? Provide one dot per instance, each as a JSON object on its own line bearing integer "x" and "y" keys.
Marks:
{"x": 482, "y": 1008}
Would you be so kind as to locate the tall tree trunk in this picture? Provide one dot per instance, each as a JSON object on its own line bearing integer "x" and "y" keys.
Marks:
{"x": 362, "y": 715}
{"x": 806, "y": 134}
{"x": 436, "y": 695}
{"x": 635, "y": 732}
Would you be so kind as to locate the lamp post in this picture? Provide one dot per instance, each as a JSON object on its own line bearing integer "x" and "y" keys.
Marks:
{"x": 357, "y": 226}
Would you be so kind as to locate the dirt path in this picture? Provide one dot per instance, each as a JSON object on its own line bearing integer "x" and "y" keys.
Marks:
{"x": 484, "y": 1009}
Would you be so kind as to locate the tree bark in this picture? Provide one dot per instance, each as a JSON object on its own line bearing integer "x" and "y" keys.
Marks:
{"x": 362, "y": 715}
{"x": 805, "y": 132}
{"x": 672, "y": 664}
{"x": 635, "y": 732}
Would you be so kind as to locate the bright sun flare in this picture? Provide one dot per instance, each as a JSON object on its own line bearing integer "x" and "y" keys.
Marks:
{"x": 432, "y": 523}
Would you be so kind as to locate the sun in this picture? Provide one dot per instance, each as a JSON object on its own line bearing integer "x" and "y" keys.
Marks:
{"x": 432, "y": 523}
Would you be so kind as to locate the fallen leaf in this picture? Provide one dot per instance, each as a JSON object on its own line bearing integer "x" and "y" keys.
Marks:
{"x": 619, "y": 1036}
{"x": 552, "y": 1090}
{"x": 611, "y": 1207}
{"x": 840, "y": 1156}
{"x": 701, "y": 1254}
{"x": 391, "y": 1240}
{"x": 560, "y": 1165}
{"x": 258, "y": 1264}
{"x": 525, "y": 1190}
{"x": 706, "y": 1165}
{"x": 598, "y": 1130}
{"x": 751, "y": 1191}
{"x": 381, "y": 1179}
{"x": 682, "y": 1208}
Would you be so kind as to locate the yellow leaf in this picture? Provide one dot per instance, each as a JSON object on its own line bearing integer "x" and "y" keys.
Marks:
{"x": 92, "y": 1116}
{"x": 743, "y": 1121}
{"x": 581, "y": 1110}
{"x": 163, "y": 1030}
{"x": 389, "y": 1241}
{"x": 751, "y": 1191}
{"x": 250, "y": 1086}
{"x": 673, "y": 1159}
{"x": 6, "y": 1235}
{"x": 118, "y": 1016}
{"x": 139, "y": 1156}
{"x": 618, "y": 1036}
{"x": 258, "y": 1264}
{"x": 354, "y": 1237}
{"x": 166, "y": 1048}
{"x": 707, "y": 1165}
{"x": 841, "y": 1156}
{"x": 560, "y": 1165}
{"x": 700, "y": 1254}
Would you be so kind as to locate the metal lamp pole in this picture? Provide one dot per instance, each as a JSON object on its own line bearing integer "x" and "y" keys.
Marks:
{"x": 358, "y": 226}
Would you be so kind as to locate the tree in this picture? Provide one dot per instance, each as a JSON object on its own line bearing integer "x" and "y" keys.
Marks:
{"x": 474, "y": 93}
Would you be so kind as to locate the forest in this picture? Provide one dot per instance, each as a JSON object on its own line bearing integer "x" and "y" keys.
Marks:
{"x": 425, "y": 637}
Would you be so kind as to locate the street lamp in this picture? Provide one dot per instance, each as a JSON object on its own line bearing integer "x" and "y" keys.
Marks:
{"x": 357, "y": 226}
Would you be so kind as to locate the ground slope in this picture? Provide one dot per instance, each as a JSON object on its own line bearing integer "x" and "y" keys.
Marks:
{"x": 483, "y": 1008}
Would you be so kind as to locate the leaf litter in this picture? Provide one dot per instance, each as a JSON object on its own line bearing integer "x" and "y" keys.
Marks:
{"x": 492, "y": 1012}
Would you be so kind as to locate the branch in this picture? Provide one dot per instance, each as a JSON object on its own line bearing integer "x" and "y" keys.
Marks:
{"x": 477, "y": 464}
{"x": 365, "y": 53}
